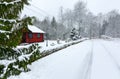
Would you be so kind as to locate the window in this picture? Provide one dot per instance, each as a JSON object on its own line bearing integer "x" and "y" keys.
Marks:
{"x": 38, "y": 35}
{"x": 30, "y": 35}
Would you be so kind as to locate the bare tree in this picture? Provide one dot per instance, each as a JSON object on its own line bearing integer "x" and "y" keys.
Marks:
{"x": 79, "y": 14}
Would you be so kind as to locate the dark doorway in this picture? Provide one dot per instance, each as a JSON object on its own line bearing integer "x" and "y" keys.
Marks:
{"x": 24, "y": 38}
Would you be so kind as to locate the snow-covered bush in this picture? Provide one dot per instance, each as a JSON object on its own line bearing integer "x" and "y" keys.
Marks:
{"x": 18, "y": 60}
{"x": 52, "y": 44}
{"x": 105, "y": 37}
{"x": 74, "y": 34}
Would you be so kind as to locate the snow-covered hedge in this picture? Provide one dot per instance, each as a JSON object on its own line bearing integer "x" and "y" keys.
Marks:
{"x": 48, "y": 52}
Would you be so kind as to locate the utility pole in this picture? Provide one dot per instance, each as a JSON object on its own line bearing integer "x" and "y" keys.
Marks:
{"x": 86, "y": 2}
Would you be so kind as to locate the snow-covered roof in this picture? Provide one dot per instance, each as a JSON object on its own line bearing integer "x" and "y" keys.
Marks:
{"x": 34, "y": 29}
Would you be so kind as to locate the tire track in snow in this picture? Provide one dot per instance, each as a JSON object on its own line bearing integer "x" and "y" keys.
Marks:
{"x": 87, "y": 64}
{"x": 111, "y": 56}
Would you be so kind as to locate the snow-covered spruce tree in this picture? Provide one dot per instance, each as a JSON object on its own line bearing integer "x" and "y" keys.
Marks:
{"x": 10, "y": 23}
{"x": 74, "y": 34}
{"x": 11, "y": 30}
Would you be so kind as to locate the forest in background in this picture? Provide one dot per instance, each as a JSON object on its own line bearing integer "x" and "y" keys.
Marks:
{"x": 85, "y": 22}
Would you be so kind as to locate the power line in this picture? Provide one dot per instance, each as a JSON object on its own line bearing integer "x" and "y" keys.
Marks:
{"x": 86, "y": 2}
{"x": 41, "y": 10}
{"x": 35, "y": 11}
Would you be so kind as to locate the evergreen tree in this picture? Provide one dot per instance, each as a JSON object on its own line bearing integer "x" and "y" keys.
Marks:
{"x": 11, "y": 24}
{"x": 46, "y": 27}
{"x": 11, "y": 30}
{"x": 104, "y": 27}
{"x": 54, "y": 27}
{"x": 74, "y": 34}
{"x": 54, "y": 23}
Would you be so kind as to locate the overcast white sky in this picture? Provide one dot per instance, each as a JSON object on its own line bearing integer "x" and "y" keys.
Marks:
{"x": 51, "y": 7}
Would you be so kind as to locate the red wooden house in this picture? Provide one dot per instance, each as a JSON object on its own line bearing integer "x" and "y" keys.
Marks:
{"x": 33, "y": 35}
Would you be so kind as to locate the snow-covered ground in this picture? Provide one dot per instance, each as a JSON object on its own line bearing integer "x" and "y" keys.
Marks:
{"x": 91, "y": 59}
{"x": 50, "y": 44}
{"x": 46, "y": 45}
{"x": 106, "y": 56}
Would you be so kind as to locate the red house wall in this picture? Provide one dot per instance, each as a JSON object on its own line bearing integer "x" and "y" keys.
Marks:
{"x": 34, "y": 38}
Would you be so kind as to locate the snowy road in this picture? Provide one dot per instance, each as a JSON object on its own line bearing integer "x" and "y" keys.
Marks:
{"x": 105, "y": 65}
{"x": 92, "y": 59}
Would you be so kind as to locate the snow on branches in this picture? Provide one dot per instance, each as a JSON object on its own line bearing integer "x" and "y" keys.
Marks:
{"x": 8, "y": 3}
{"x": 10, "y": 20}
{"x": 2, "y": 31}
